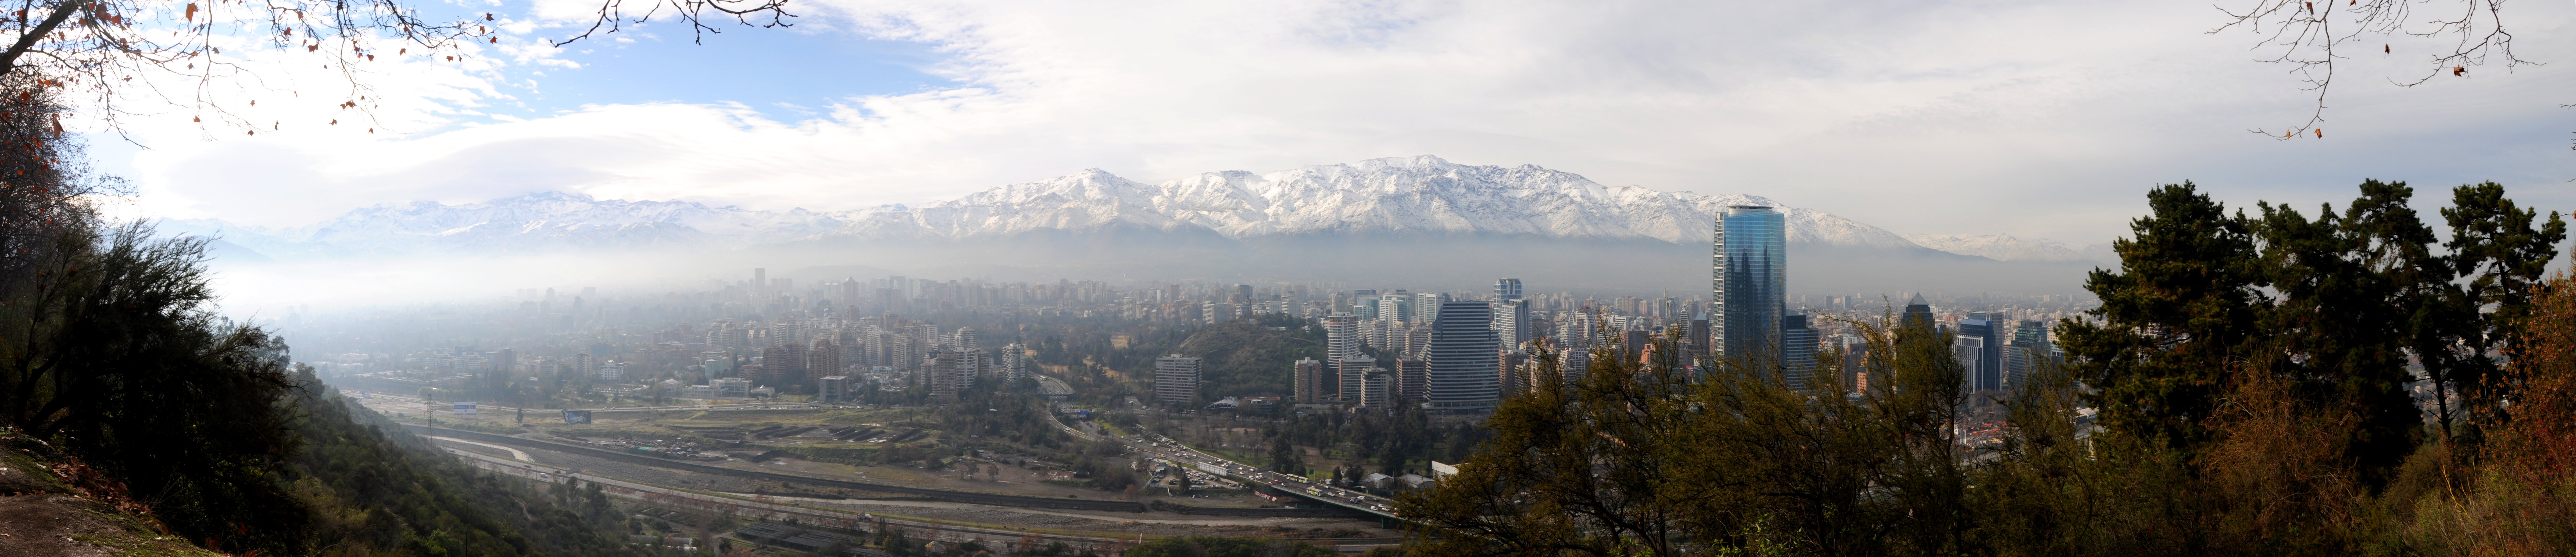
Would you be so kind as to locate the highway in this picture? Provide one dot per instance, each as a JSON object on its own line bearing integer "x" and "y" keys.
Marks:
{"x": 1158, "y": 447}
{"x": 1167, "y": 449}
{"x": 773, "y": 509}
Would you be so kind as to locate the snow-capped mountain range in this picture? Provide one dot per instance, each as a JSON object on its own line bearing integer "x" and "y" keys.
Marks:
{"x": 2004, "y": 247}
{"x": 1392, "y": 196}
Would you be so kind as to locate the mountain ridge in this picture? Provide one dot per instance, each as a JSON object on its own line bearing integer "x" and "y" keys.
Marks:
{"x": 1398, "y": 196}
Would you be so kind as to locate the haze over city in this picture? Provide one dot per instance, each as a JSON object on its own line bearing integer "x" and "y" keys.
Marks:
{"x": 964, "y": 278}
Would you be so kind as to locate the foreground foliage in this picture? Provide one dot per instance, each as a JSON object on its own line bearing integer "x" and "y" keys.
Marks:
{"x": 2283, "y": 385}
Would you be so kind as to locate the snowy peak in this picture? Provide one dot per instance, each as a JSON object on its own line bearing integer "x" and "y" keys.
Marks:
{"x": 1422, "y": 195}
{"x": 1402, "y": 195}
{"x": 2002, "y": 247}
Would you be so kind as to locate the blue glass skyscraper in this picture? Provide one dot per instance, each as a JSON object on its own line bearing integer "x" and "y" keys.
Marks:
{"x": 1750, "y": 283}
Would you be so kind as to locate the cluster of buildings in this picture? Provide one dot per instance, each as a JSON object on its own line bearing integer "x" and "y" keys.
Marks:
{"x": 1450, "y": 354}
{"x": 837, "y": 358}
{"x": 1446, "y": 352}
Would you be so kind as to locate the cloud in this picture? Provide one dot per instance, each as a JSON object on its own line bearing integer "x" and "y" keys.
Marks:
{"x": 2041, "y": 119}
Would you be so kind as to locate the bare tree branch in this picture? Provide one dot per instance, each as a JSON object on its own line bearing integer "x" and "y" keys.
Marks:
{"x": 2303, "y": 35}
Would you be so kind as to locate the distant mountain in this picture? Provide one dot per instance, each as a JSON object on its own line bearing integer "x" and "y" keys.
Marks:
{"x": 1417, "y": 196}
{"x": 2004, "y": 247}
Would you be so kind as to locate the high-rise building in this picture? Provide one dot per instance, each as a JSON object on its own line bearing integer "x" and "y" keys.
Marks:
{"x": 1014, "y": 362}
{"x": 1411, "y": 381}
{"x": 1512, "y": 378}
{"x": 760, "y": 282}
{"x": 783, "y": 365}
{"x": 2028, "y": 350}
{"x": 1176, "y": 380}
{"x": 1797, "y": 350}
{"x": 1309, "y": 381}
{"x": 1463, "y": 375}
{"x": 1351, "y": 376}
{"x": 1986, "y": 372}
{"x": 1507, "y": 289}
{"x": 1967, "y": 349}
{"x": 1512, "y": 321}
{"x": 1749, "y": 276}
{"x": 1377, "y": 390}
{"x": 947, "y": 376}
{"x": 1917, "y": 313}
{"x": 824, "y": 358}
{"x": 1341, "y": 338}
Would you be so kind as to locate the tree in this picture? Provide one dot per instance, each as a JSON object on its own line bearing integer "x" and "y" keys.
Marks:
{"x": 2186, "y": 300}
{"x": 2495, "y": 244}
{"x": 1285, "y": 458}
{"x": 99, "y": 47}
{"x": 2312, "y": 40}
{"x": 1638, "y": 458}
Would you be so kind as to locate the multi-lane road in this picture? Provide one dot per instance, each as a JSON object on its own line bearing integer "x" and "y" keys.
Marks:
{"x": 1144, "y": 443}
{"x": 1179, "y": 454}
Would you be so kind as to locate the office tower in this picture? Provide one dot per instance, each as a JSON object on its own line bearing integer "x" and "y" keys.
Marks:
{"x": 760, "y": 282}
{"x": 1463, "y": 355}
{"x": 1749, "y": 276}
{"x": 1239, "y": 294}
{"x": 1507, "y": 289}
{"x": 1797, "y": 350}
{"x": 1377, "y": 390}
{"x": 1987, "y": 371}
{"x": 2028, "y": 350}
{"x": 1967, "y": 349}
{"x": 1512, "y": 318}
{"x": 1917, "y": 313}
{"x": 1855, "y": 363}
{"x": 1309, "y": 381}
{"x": 1414, "y": 340}
{"x": 1514, "y": 377}
{"x": 1351, "y": 375}
{"x": 1410, "y": 379}
{"x": 1176, "y": 380}
{"x": 1697, "y": 337}
{"x": 1426, "y": 306}
{"x": 1341, "y": 338}
{"x": 1397, "y": 306}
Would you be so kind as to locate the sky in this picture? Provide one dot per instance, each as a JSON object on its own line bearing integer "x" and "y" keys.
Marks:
{"x": 2036, "y": 119}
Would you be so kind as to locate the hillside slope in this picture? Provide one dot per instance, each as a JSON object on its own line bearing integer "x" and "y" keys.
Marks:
{"x": 55, "y": 505}
{"x": 1248, "y": 358}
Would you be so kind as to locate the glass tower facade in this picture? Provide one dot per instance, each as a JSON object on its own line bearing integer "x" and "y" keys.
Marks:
{"x": 1797, "y": 350}
{"x": 1750, "y": 283}
{"x": 1465, "y": 358}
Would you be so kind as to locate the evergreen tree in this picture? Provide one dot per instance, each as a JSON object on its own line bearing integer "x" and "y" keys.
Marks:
{"x": 2185, "y": 302}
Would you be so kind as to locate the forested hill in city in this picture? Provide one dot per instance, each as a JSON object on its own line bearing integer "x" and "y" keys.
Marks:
{"x": 1418, "y": 218}
{"x": 1251, "y": 357}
